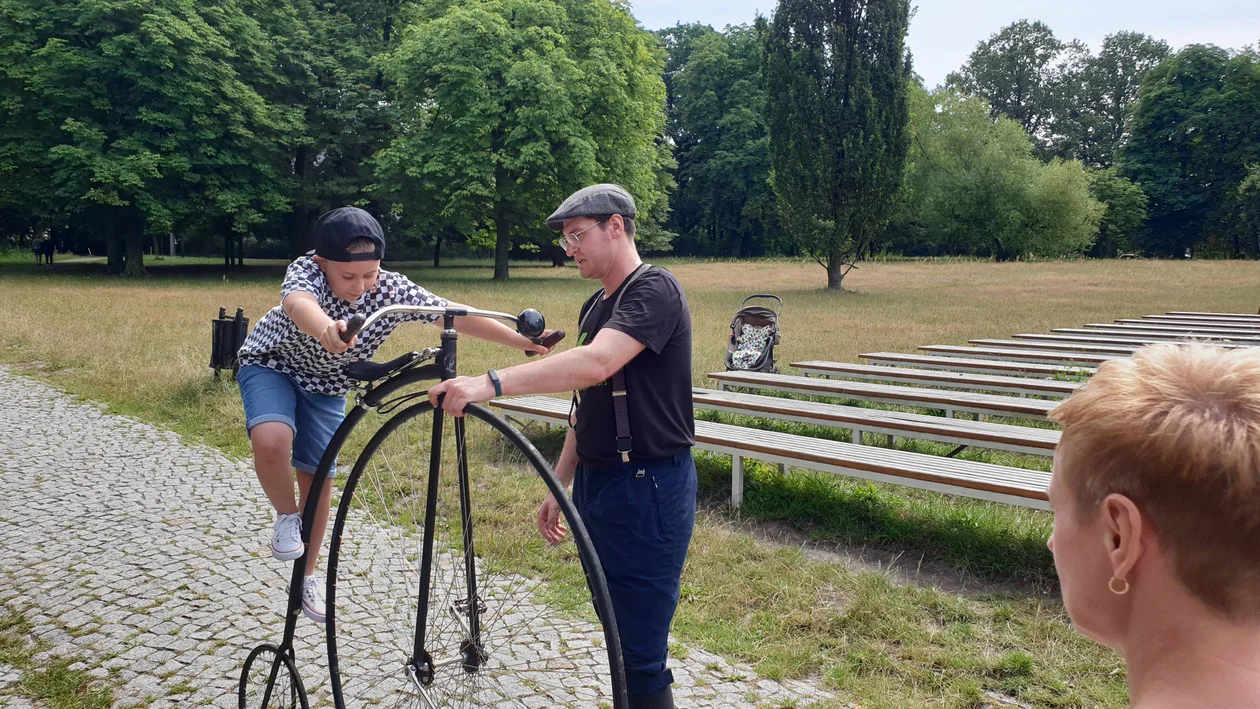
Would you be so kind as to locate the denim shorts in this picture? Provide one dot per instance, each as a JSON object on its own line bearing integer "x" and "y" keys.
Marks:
{"x": 269, "y": 395}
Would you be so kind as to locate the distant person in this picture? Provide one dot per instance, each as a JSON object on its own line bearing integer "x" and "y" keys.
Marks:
{"x": 1156, "y": 496}
{"x": 292, "y": 376}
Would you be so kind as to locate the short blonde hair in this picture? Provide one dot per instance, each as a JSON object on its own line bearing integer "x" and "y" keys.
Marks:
{"x": 1176, "y": 428}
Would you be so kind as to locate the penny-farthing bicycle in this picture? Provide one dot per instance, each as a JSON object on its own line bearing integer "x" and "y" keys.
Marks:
{"x": 440, "y": 592}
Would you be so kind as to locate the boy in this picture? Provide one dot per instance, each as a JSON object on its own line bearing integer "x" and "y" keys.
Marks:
{"x": 291, "y": 378}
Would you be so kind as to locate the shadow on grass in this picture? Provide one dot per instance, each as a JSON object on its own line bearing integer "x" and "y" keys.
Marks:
{"x": 988, "y": 540}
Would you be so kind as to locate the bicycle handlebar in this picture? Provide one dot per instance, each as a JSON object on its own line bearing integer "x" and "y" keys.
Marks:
{"x": 529, "y": 323}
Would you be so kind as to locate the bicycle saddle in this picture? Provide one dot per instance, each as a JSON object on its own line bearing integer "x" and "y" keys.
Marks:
{"x": 373, "y": 371}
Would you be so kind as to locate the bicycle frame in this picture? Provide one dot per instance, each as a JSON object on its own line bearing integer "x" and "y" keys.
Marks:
{"x": 376, "y": 395}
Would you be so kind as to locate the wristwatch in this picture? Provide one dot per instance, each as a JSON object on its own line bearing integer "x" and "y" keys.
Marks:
{"x": 494, "y": 379}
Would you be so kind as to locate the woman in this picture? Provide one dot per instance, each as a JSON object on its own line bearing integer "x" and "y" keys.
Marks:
{"x": 1156, "y": 493}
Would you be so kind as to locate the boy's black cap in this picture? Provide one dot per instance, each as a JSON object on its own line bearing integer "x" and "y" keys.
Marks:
{"x": 335, "y": 229}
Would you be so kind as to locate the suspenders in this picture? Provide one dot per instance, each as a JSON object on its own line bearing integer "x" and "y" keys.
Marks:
{"x": 621, "y": 411}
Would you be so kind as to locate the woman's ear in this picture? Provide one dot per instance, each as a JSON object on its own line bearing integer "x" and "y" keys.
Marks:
{"x": 1123, "y": 526}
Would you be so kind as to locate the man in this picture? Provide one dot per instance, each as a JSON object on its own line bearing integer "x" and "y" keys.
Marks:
{"x": 628, "y": 451}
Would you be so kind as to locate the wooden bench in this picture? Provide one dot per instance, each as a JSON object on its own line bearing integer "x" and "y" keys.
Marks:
{"x": 1073, "y": 347}
{"x": 985, "y": 481}
{"x": 983, "y": 366}
{"x": 939, "y": 378}
{"x": 890, "y": 394}
{"x": 1038, "y": 356}
{"x": 1146, "y": 336}
{"x": 858, "y": 420}
{"x": 1253, "y": 317}
{"x": 1143, "y": 326}
{"x": 1097, "y": 340}
{"x": 1194, "y": 325}
{"x": 1205, "y": 320}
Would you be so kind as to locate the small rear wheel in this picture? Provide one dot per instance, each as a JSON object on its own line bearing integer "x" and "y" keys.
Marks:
{"x": 270, "y": 680}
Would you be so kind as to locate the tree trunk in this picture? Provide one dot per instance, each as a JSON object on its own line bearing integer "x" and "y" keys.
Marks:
{"x": 135, "y": 247}
{"x": 557, "y": 256}
{"x": 240, "y": 250}
{"x": 297, "y": 218}
{"x": 502, "y": 246}
{"x": 437, "y": 251}
{"x": 835, "y": 269}
{"x": 115, "y": 239}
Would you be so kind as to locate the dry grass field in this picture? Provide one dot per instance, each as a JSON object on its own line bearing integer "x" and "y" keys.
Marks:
{"x": 874, "y": 637}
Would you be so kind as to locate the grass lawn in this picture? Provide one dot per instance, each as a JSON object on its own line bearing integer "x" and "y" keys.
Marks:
{"x": 142, "y": 347}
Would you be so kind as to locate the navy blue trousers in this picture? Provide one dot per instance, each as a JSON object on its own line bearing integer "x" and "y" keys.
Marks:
{"x": 640, "y": 517}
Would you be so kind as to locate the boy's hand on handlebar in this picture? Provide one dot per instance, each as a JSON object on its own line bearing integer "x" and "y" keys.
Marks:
{"x": 540, "y": 349}
{"x": 330, "y": 338}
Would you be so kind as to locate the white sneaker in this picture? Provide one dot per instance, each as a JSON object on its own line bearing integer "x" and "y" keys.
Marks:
{"x": 286, "y": 537}
{"x": 313, "y": 599}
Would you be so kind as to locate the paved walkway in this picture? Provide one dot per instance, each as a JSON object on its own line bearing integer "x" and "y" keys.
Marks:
{"x": 125, "y": 546}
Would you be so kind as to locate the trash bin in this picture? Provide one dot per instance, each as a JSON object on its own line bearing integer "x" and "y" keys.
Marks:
{"x": 226, "y": 337}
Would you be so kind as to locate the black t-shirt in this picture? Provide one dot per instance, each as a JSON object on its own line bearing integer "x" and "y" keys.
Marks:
{"x": 653, "y": 311}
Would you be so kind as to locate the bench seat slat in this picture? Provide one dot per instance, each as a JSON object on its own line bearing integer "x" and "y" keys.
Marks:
{"x": 1039, "y": 441}
{"x": 989, "y": 366}
{"x": 992, "y": 404}
{"x": 1148, "y": 326}
{"x": 1142, "y": 336}
{"x": 939, "y": 378}
{"x": 1030, "y": 355}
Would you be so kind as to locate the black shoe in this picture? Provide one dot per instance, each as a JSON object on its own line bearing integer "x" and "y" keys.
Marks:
{"x": 660, "y": 699}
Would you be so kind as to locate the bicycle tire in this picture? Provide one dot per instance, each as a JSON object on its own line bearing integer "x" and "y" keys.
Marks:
{"x": 530, "y": 648}
{"x": 270, "y": 680}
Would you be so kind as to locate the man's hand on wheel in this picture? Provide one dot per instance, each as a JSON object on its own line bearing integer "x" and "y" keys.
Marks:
{"x": 460, "y": 392}
{"x": 550, "y": 525}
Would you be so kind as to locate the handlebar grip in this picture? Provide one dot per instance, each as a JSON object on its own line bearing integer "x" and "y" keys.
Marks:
{"x": 549, "y": 341}
{"x": 353, "y": 325}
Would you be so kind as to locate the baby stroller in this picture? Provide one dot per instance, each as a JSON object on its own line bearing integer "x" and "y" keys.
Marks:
{"x": 754, "y": 333}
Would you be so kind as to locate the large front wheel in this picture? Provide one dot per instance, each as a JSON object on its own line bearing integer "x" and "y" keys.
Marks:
{"x": 508, "y": 619}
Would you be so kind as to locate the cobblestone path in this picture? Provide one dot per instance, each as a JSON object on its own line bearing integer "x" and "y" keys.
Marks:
{"x": 143, "y": 555}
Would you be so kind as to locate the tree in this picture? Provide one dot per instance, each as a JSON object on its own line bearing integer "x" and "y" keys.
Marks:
{"x": 836, "y": 76}
{"x": 132, "y": 117}
{"x": 508, "y": 105}
{"x": 1192, "y": 135}
{"x": 1021, "y": 71}
{"x": 973, "y": 186}
{"x": 1125, "y": 213}
{"x": 1094, "y": 117}
{"x": 723, "y": 203}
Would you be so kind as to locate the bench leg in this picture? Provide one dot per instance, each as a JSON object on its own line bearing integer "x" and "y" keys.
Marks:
{"x": 737, "y": 481}
{"x": 949, "y": 412}
{"x": 857, "y": 436}
{"x": 783, "y": 469}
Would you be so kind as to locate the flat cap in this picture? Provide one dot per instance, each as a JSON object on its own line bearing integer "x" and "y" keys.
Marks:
{"x": 594, "y": 201}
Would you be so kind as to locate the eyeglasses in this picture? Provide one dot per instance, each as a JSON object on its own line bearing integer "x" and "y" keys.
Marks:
{"x": 570, "y": 242}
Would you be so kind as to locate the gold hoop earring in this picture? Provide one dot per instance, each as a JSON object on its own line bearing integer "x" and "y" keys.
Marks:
{"x": 1112, "y": 587}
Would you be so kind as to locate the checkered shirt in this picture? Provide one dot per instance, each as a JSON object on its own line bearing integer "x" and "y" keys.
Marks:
{"x": 276, "y": 341}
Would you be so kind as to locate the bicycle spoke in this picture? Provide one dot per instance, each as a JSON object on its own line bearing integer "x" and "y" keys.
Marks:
{"x": 530, "y": 653}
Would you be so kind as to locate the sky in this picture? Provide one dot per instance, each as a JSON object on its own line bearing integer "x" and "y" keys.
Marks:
{"x": 944, "y": 32}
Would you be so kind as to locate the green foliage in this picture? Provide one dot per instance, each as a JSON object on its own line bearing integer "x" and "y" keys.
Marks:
{"x": 134, "y": 116}
{"x": 836, "y": 76}
{"x": 1125, "y": 213}
{"x": 723, "y": 203}
{"x": 509, "y": 105}
{"x": 1093, "y": 119}
{"x": 973, "y": 186}
{"x": 1193, "y": 133}
{"x": 1021, "y": 71}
